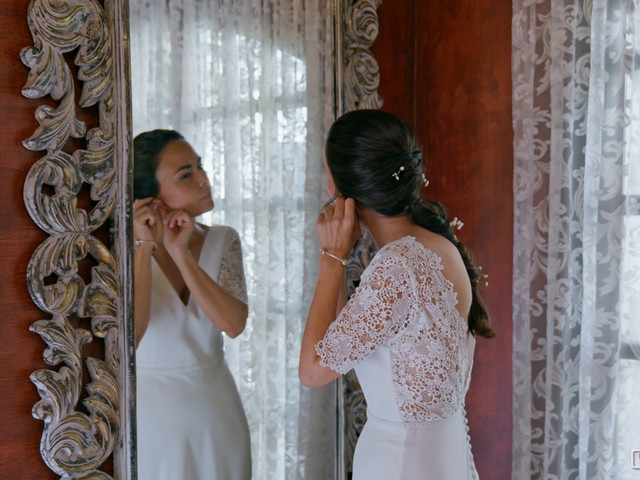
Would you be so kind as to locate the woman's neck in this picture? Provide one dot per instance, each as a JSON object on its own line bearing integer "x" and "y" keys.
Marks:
{"x": 386, "y": 229}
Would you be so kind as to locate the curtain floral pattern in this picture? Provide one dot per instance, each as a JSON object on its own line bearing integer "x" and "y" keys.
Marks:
{"x": 576, "y": 297}
{"x": 249, "y": 84}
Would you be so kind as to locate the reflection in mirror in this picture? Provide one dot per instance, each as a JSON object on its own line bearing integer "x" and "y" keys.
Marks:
{"x": 189, "y": 288}
{"x": 249, "y": 84}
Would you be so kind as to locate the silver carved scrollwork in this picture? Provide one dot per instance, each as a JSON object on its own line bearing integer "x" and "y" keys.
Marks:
{"x": 358, "y": 77}
{"x": 359, "y": 72}
{"x": 85, "y": 420}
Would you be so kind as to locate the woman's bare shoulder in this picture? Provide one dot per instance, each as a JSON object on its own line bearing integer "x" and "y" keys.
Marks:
{"x": 439, "y": 245}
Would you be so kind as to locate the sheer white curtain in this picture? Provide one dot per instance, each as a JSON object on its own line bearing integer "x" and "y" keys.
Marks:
{"x": 576, "y": 298}
{"x": 249, "y": 84}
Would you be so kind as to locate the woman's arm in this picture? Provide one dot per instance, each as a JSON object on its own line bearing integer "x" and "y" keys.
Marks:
{"x": 338, "y": 230}
{"x": 323, "y": 311}
{"x": 142, "y": 288}
{"x": 224, "y": 310}
{"x": 379, "y": 309}
{"x": 147, "y": 229}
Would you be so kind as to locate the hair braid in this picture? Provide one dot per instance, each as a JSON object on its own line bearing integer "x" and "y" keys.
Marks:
{"x": 432, "y": 215}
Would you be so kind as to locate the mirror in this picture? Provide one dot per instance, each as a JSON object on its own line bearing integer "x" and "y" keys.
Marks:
{"x": 79, "y": 193}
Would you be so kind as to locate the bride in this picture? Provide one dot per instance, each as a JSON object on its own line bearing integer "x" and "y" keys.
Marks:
{"x": 189, "y": 288}
{"x": 409, "y": 329}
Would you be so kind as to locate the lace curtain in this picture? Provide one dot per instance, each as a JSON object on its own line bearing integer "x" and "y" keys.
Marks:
{"x": 576, "y": 297}
{"x": 249, "y": 84}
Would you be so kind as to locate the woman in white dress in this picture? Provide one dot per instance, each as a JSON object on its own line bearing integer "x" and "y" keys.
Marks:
{"x": 409, "y": 329}
{"x": 189, "y": 288}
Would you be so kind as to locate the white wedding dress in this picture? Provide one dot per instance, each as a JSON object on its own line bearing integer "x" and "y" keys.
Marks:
{"x": 190, "y": 420}
{"x": 412, "y": 353}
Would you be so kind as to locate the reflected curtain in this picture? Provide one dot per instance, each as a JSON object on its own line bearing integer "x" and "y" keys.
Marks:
{"x": 249, "y": 85}
{"x": 576, "y": 297}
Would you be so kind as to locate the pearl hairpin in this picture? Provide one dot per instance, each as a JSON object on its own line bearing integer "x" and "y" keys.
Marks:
{"x": 396, "y": 175}
{"x": 456, "y": 223}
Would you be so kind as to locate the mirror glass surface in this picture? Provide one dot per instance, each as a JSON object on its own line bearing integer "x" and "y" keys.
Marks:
{"x": 249, "y": 85}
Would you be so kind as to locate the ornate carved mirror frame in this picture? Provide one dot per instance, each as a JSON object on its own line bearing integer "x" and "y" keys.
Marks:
{"x": 357, "y": 79}
{"x": 88, "y": 417}
{"x": 83, "y": 281}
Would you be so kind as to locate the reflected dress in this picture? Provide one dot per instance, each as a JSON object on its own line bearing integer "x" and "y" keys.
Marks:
{"x": 190, "y": 421}
{"x": 412, "y": 353}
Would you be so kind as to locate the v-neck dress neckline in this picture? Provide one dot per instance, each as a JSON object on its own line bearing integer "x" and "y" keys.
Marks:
{"x": 190, "y": 420}
{"x": 164, "y": 277}
{"x": 180, "y": 335}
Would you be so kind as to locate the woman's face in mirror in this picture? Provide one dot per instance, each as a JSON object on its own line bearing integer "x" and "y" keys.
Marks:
{"x": 183, "y": 182}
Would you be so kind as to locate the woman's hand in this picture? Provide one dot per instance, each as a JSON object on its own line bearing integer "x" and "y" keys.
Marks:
{"x": 338, "y": 227}
{"x": 338, "y": 230}
{"x": 178, "y": 226}
{"x": 147, "y": 220}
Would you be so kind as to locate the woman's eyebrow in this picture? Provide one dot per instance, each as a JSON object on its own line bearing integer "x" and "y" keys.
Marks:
{"x": 188, "y": 166}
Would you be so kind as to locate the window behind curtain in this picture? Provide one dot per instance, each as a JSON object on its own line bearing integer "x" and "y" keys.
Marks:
{"x": 629, "y": 367}
{"x": 576, "y": 279}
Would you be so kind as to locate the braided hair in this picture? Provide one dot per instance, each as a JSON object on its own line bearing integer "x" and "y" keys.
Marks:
{"x": 375, "y": 158}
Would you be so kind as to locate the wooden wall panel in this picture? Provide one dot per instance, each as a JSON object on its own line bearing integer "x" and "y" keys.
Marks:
{"x": 446, "y": 70}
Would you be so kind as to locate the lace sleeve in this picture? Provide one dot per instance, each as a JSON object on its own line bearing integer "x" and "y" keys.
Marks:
{"x": 377, "y": 310}
{"x": 231, "y": 276}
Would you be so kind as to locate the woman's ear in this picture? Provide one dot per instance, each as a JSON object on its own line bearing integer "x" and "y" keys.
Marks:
{"x": 331, "y": 186}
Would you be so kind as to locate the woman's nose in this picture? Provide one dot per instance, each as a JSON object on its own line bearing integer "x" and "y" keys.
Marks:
{"x": 202, "y": 178}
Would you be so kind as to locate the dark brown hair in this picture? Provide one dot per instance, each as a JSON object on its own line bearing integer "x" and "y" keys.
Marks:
{"x": 146, "y": 156}
{"x": 375, "y": 158}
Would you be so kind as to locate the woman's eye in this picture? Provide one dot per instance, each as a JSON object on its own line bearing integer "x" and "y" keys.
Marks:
{"x": 185, "y": 176}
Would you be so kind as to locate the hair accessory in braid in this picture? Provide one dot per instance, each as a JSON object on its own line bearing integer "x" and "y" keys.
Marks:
{"x": 483, "y": 275}
{"x": 396, "y": 175}
{"x": 456, "y": 223}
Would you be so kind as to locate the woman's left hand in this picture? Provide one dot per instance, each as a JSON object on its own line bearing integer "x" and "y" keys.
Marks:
{"x": 178, "y": 227}
{"x": 338, "y": 227}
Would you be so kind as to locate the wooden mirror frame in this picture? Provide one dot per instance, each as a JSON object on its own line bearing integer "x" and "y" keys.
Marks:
{"x": 84, "y": 282}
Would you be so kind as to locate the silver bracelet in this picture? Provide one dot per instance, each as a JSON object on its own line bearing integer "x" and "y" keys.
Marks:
{"x": 155, "y": 245}
{"x": 341, "y": 260}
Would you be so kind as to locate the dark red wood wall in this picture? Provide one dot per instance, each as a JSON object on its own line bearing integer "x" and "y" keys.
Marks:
{"x": 445, "y": 68}
{"x": 20, "y": 350}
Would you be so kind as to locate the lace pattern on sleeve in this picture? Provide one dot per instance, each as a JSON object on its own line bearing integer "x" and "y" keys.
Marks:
{"x": 429, "y": 359}
{"x": 407, "y": 301}
{"x": 231, "y": 276}
{"x": 376, "y": 311}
